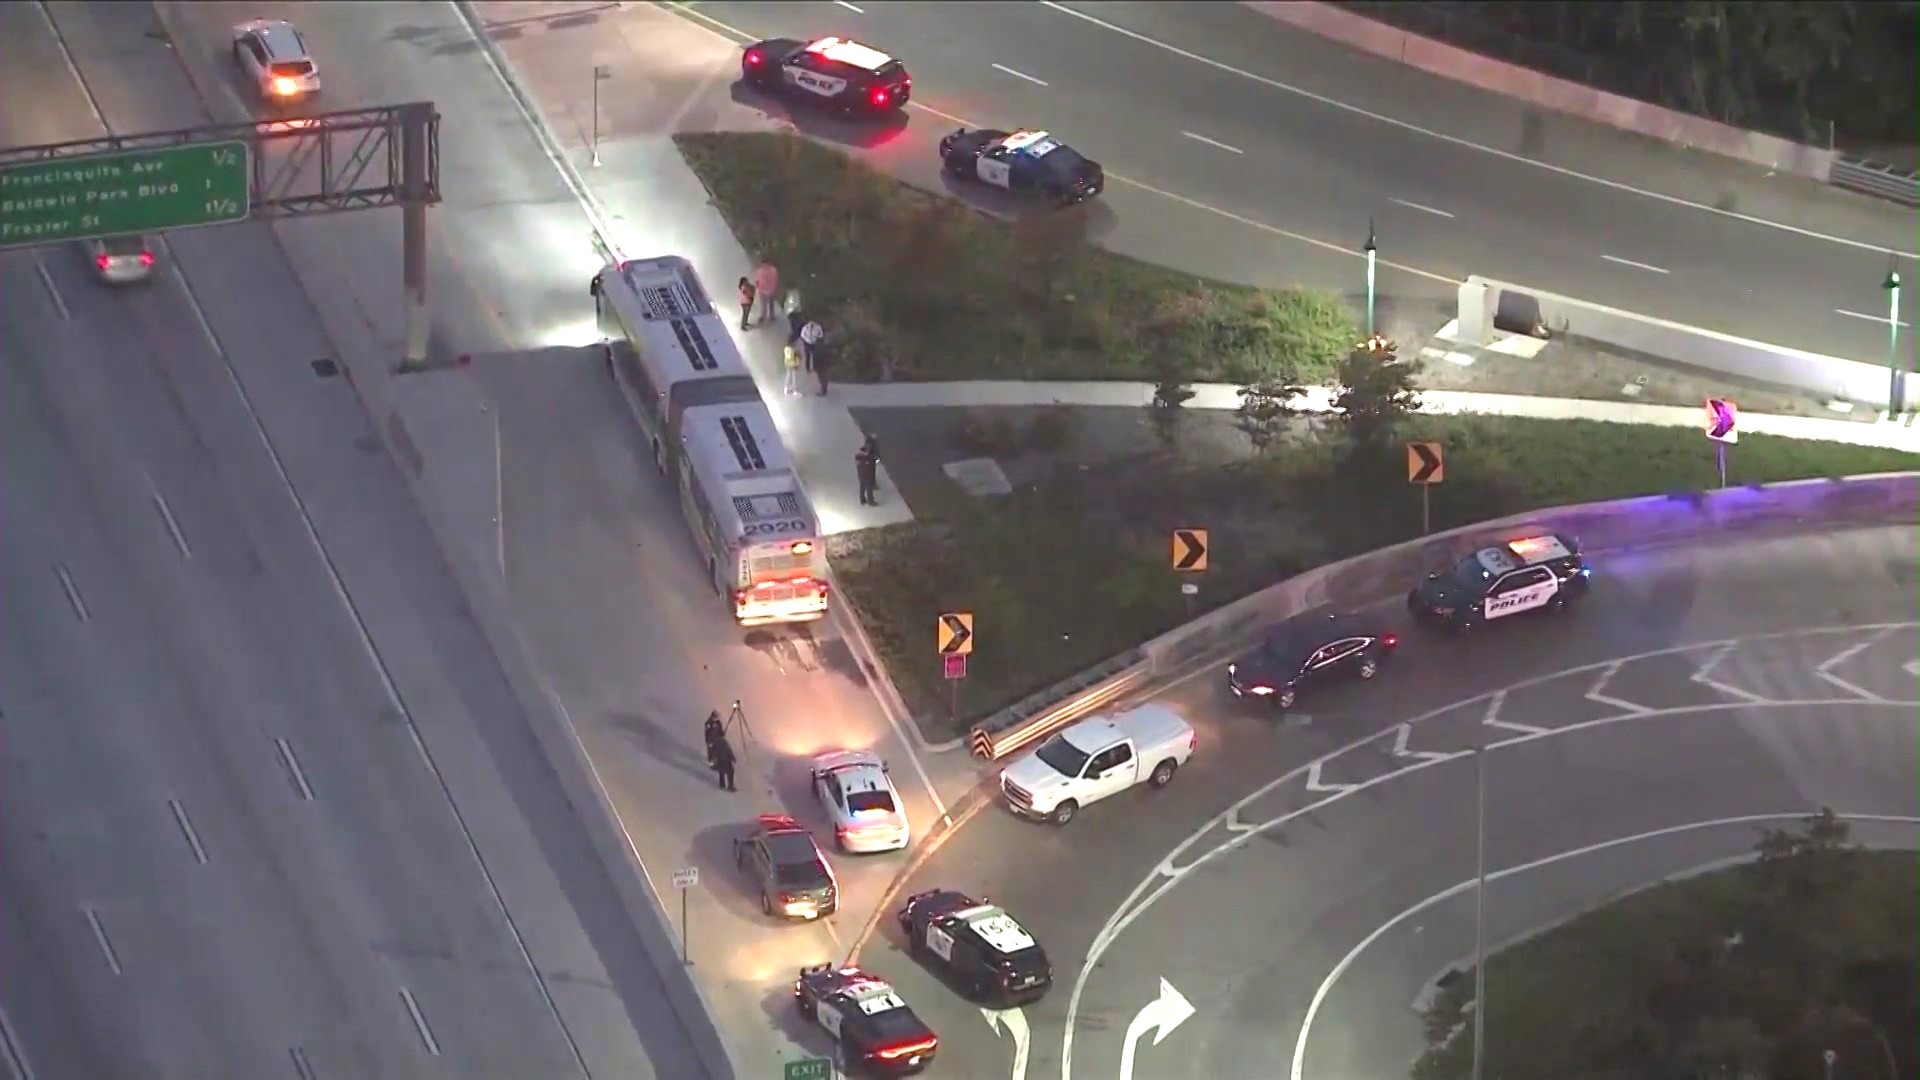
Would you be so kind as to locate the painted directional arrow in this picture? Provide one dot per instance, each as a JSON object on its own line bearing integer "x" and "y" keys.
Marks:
{"x": 956, "y": 633}
{"x": 1016, "y": 1024}
{"x": 1721, "y": 417}
{"x": 1190, "y": 549}
{"x": 1426, "y": 463}
{"x": 1161, "y": 1015}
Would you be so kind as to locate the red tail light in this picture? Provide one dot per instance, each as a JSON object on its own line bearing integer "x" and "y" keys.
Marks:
{"x": 1389, "y": 640}
{"x": 909, "y": 1049}
{"x": 1193, "y": 742}
{"x": 879, "y": 95}
{"x": 103, "y": 262}
{"x": 146, "y": 258}
{"x": 754, "y": 57}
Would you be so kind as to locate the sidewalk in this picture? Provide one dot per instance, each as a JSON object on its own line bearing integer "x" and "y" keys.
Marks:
{"x": 661, "y": 73}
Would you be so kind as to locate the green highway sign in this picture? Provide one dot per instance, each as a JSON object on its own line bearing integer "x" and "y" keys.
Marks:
{"x": 123, "y": 191}
{"x": 809, "y": 1069}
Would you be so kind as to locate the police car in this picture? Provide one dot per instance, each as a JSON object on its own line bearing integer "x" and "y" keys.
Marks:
{"x": 873, "y": 1030}
{"x": 978, "y": 944}
{"x": 830, "y": 70}
{"x": 1308, "y": 650}
{"x": 1533, "y": 573}
{"x": 1022, "y": 161}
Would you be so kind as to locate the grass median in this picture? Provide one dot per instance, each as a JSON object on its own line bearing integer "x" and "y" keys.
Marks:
{"x": 1074, "y": 568}
{"x": 918, "y": 286}
{"x": 1754, "y": 971}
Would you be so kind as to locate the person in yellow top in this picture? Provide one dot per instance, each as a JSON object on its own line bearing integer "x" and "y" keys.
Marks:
{"x": 791, "y": 357}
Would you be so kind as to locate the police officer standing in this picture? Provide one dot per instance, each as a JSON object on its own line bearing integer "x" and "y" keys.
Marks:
{"x": 719, "y": 752}
{"x": 866, "y": 465}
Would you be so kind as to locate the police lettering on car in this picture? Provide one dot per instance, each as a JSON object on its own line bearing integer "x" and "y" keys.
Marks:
{"x": 979, "y": 946}
{"x": 1533, "y": 573}
{"x": 830, "y": 70}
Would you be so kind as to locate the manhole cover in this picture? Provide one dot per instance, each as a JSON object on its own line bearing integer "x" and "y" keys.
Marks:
{"x": 326, "y": 369}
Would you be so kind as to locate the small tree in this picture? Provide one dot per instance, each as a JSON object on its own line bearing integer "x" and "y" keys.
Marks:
{"x": 1265, "y": 408}
{"x": 1374, "y": 393}
{"x": 1170, "y": 395}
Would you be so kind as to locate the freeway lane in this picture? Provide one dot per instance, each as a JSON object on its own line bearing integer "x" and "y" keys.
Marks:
{"x": 598, "y": 563}
{"x": 1300, "y": 165}
{"x": 327, "y": 716}
{"x": 1062, "y": 883}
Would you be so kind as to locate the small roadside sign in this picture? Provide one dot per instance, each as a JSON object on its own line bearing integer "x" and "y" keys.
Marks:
{"x": 954, "y": 665}
{"x": 1426, "y": 463}
{"x": 1722, "y": 421}
{"x": 686, "y": 877}
{"x": 808, "y": 1069}
{"x": 955, "y": 633}
{"x": 1190, "y": 550}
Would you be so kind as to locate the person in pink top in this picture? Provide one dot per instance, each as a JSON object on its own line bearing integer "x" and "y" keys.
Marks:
{"x": 766, "y": 281}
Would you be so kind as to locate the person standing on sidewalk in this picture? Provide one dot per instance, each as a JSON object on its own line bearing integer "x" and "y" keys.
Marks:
{"x": 866, "y": 464}
{"x": 790, "y": 356}
{"x": 746, "y": 302}
{"x": 790, "y": 303}
{"x": 822, "y": 359}
{"x": 811, "y": 336}
{"x": 766, "y": 281}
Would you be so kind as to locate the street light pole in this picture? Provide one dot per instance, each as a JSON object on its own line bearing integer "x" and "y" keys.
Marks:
{"x": 600, "y": 72}
{"x": 1895, "y": 390}
{"x": 1372, "y": 249}
{"x": 1480, "y": 906}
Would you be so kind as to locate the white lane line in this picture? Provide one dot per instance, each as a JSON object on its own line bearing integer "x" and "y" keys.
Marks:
{"x": 1671, "y": 200}
{"x": 100, "y": 938}
{"x": 294, "y": 771}
{"x": 1594, "y": 695}
{"x": 1019, "y": 74}
{"x": 420, "y": 1022}
{"x": 1339, "y": 969}
{"x": 16, "y": 1053}
{"x": 173, "y": 527}
{"x": 849, "y": 7}
{"x": 186, "y": 829}
{"x": 72, "y": 591}
{"x": 1417, "y": 206}
{"x": 1400, "y": 737}
{"x": 46, "y": 280}
{"x": 1314, "y": 784}
{"x": 1215, "y": 143}
{"x": 1881, "y": 319}
{"x": 1825, "y": 669}
{"x": 1649, "y": 267}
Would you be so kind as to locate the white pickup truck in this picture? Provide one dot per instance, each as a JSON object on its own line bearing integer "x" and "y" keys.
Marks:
{"x": 1095, "y": 758}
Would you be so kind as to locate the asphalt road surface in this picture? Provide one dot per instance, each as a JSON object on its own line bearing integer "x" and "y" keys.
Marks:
{"x": 271, "y": 808}
{"x": 599, "y": 564}
{"x": 1280, "y": 912}
{"x": 1245, "y": 116}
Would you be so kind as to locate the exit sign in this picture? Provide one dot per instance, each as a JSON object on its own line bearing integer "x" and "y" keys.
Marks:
{"x": 123, "y": 191}
{"x": 808, "y": 1069}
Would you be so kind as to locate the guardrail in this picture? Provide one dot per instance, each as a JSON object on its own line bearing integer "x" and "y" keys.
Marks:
{"x": 1892, "y": 498}
{"x": 1876, "y": 178}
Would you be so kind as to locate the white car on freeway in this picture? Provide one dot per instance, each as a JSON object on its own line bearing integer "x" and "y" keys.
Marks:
{"x": 862, "y": 802}
{"x": 273, "y": 57}
{"x": 1095, "y": 758}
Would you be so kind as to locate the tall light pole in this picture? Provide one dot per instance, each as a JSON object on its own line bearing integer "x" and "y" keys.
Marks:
{"x": 601, "y": 72}
{"x": 1895, "y": 396}
{"x": 1480, "y": 906}
{"x": 1373, "y": 251}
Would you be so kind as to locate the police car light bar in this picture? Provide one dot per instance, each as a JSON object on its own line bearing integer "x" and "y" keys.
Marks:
{"x": 1547, "y": 547}
{"x": 850, "y": 52}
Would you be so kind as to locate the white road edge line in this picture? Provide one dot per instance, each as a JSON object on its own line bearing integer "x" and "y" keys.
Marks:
{"x": 1881, "y": 319}
{"x": 1339, "y": 969}
{"x": 1314, "y": 784}
{"x": 1417, "y": 206}
{"x": 1217, "y": 144}
{"x": 301, "y": 1066}
{"x": 16, "y": 1053}
{"x": 46, "y": 280}
{"x": 420, "y": 1022}
{"x": 298, "y": 775}
{"x": 1672, "y": 200}
{"x": 1842, "y": 657}
{"x": 173, "y": 527}
{"x": 1704, "y": 676}
{"x": 1151, "y": 888}
{"x": 1019, "y": 74}
{"x": 849, "y": 7}
{"x": 100, "y": 938}
{"x": 73, "y": 591}
{"x": 181, "y": 819}
{"x": 1622, "y": 704}
{"x": 1649, "y": 267}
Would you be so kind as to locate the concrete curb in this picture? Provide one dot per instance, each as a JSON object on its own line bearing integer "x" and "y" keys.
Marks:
{"x": 1548, "y": 92}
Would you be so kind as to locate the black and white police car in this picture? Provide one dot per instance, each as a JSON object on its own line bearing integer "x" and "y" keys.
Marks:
{"x": 830, "y": 70}
{"x": 978, "y": 945}
{"x": 1533, "y": 573}
{"x": 874, "y": 1032}
{"x": 1022, "y": 161}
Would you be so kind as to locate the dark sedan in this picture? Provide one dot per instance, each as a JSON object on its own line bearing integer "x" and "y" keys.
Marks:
{"x": 1309, "y": 650}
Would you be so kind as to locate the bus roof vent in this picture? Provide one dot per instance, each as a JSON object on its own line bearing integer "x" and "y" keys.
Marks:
{"x": 669, "y": 300}
{"x": 694, "y": 344}
{"x": 780, "y": 505}
{"x": 745, "y": 448}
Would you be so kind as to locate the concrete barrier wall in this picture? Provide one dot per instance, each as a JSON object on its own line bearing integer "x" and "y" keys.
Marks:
{"x": 1651, "y": 520}
{"x": 1547, "y": 91}
{"x": 1483, "y": 299}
